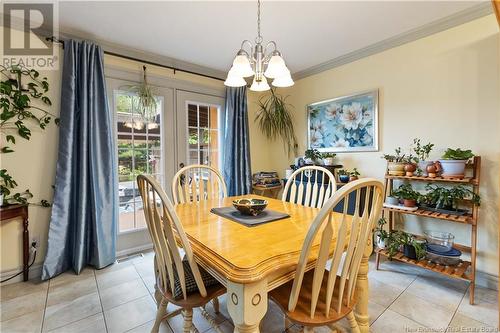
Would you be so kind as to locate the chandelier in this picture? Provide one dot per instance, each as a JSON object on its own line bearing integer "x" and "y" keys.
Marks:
{"x": 261, "y": 62}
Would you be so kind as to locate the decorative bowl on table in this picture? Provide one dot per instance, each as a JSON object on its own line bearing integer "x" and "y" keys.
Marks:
{"x": 250, "y": 206}
{"x": 439, "y": 242}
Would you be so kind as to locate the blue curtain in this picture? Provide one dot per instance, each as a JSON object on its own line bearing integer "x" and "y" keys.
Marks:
{"x": 237, "y": 172}
{"x": 84, "y": 214}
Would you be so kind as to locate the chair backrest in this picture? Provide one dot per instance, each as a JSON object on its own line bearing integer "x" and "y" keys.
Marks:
{"x": 352, "y": 235}
{"x": 316, "y": 185}
{"x": 195, "y": 183}
{"x": 162, "y": 220}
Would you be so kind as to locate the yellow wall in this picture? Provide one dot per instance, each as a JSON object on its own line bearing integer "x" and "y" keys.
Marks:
{"x": 444, "y": 89}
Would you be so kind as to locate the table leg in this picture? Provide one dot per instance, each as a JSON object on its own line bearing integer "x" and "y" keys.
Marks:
{"x": 361, "y": 311}
{"x": 247, "y": 305}
{"x": 26, "y": 249}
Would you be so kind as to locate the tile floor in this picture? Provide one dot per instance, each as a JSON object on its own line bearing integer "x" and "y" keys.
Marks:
{"x": 119, "y": 299}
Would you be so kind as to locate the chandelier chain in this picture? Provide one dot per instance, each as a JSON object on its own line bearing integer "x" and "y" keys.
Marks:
{"x": 259, "y": 37}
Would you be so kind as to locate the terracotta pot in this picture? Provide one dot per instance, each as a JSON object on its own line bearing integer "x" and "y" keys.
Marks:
{"x": 433, "y": 170}
{"x": 410, "y": 202}
{"x": 410, "y": 168}
{"x": 422, "y": 165}
{"x": 396, "y": 168}
{"x": 353, "y": 178}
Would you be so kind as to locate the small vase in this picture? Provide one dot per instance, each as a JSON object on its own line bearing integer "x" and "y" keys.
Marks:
{"x": 328, "y": 161}
{"x": 380, "y": 243}
{"x": 409, "y": 251}
{"x": 409, "y": 202}
{"x": 344, "y": 178}
{"x": 433, "y": 170}
{"x": 396, "y": 168}
{"x": 422, "y": 165}
{"x": 410, "y": 168}
{"x": 392, "y": 201}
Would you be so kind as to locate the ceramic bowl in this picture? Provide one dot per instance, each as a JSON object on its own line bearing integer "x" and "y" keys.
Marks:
{"x": 250, "y": 206}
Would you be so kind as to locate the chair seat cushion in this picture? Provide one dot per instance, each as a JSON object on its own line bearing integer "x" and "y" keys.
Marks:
{"x": 191, "y": 286}
{"x": 302, "y": 313}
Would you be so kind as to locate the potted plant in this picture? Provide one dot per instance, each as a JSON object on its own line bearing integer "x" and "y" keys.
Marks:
{"x": 395, "y": 163}
{"x": 392, "y": 199}
{"x": 448, "y": 199}
{"x": 276, "y": 121}
{"x": 410, "y": 165}
{"x": 380, "y": 233}
{"x": 343, "y": 176}
{"x": 354, "y": 175}
{"x": 412, "y": 248}
{"x": 407, "y": 194}
{"x": 312, "y": 156}
{"x": 422, "y": 152}
{"x": 328, "y": 158}
{"x": 453, "y": 162}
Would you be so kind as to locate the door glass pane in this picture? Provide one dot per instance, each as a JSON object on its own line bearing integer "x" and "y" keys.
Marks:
{"x": 203, "y": 134}
{"x": 139, "y": 152}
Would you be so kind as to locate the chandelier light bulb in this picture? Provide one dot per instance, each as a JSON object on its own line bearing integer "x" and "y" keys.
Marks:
{"x": 234, "y": 80}
{"x": 276, "y": 67}
{"x": 261, "y": 85}
{"x": 241, "y": 66}
{"x": 283, "y": 81}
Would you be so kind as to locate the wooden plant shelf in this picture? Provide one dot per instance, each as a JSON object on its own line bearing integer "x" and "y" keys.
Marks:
{"x": 436, "y": 215}
{"x": 466, "y": 270}
{"x": 465, "y": 180}
{"x": 461, "y": 271}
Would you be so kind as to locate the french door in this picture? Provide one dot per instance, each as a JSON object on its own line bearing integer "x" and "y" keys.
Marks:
{"x": 199, "y": 129}
{"x": 185, "y": 129}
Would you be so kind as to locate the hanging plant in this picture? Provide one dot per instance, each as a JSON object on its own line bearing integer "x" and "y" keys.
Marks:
{"x": 275, "y": 121}
{"x": 20, "y": 88}
{"x": 143, "y": 102}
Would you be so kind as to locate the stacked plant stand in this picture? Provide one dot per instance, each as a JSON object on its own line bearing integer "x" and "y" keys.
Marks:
{"x": 466, "y": 270}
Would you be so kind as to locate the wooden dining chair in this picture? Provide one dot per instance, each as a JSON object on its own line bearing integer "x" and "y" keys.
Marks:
{"x": 178, "y": 280}
{"x": 321, "y": 297}
{"x": 315, "y": 186}
{"x": 195, "y": 183}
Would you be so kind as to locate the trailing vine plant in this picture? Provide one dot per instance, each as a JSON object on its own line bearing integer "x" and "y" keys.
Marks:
{"x": 21, "y": 89}
{"x": 275, "y": 120}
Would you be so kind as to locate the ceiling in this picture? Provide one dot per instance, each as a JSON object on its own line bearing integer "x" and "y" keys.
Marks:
{"x": 209, "y": 33}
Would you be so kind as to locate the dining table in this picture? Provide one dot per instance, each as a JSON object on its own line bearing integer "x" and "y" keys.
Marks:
{"x": 251, "y": 261}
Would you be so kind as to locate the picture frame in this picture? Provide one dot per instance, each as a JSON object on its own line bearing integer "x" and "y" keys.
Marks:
{"x": 344, "y": 124}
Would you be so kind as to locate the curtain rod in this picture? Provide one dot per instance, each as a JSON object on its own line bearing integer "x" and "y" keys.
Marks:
{"x": 55, "y": 40}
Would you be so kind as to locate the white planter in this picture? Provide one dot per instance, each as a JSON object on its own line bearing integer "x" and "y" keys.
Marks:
{"x": 392, "y": 201}
{"x": 329, "y": 161}
{"x": 1, "y": 199}
{"x": 453, "y": 168}
{"x": 422, "y": 165}
{"x": 380, "y": 243}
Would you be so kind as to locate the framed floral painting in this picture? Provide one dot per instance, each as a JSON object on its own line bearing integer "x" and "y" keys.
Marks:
{"x": 344, "y": 124}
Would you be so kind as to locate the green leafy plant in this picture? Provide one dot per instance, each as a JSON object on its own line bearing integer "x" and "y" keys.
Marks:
{"x": 406, "y": 192}
{"x": 380, "y": 231}
{"x": 397, "y": 157}
{"x": 410, "y": 159}
{"x": 275, "y": 120}
{"x": 22, "y": 92}
{"x": 457, "y": 154}
{"x": 328, "y": 155}
{"x": 145, "y": 102}
{"x": 343, "y": 172}
{"x": 396, "y": 239}
{"x": 312, "y": 154}
{"x": 448, "y": 198}
{"x": 354, "y": 173}
{"x": 422, "y": 151}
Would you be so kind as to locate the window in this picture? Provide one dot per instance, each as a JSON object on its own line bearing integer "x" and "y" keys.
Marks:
{"x": 139, "y": 152}
{"x": 203, "y": 134}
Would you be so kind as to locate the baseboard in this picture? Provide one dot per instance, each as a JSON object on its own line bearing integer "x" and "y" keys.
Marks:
{"x": 132, "y": 250}
{"x": 487, "y": 280}
{"x": 35, "y": 273}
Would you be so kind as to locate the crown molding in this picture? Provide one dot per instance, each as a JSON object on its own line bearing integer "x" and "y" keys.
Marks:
{"x": 431, "y": 28}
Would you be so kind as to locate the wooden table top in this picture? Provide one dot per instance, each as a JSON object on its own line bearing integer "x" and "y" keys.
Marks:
{"x": 241, "y": 253}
